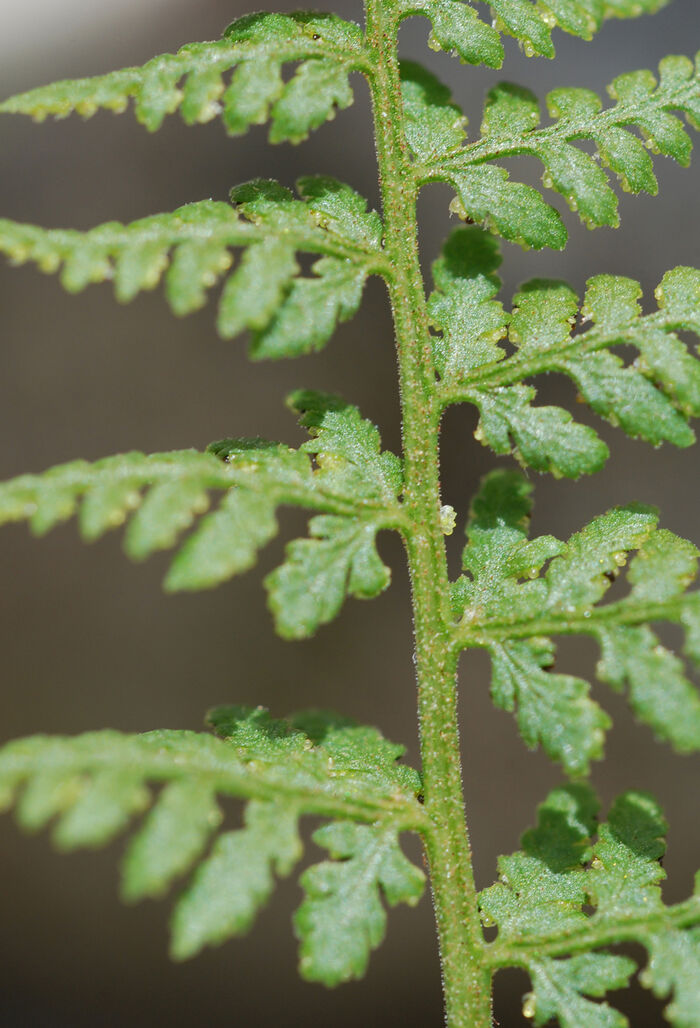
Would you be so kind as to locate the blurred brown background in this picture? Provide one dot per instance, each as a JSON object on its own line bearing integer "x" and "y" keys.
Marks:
{"x": 90, "y": 641}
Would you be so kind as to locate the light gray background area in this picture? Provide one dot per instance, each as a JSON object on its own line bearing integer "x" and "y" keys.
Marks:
{"x": 89, "y": 641}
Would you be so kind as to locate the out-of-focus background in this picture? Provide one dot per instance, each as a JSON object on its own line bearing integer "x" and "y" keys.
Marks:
{"x": 88, "y": 640}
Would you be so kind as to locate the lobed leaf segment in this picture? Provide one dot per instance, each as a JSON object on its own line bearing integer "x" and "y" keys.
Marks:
{"x": 286, "y": 313}
{"x": 577, "y": 887}
{"x": 324, "y": 48}
{"x": 651, "y": 398}
{"x": 507, "y": 604}
{"x": 92, "y": 786}
{"x": 341, "y": 471}
{"x": 457, "y": 27}
{"x": 436, "y": 130}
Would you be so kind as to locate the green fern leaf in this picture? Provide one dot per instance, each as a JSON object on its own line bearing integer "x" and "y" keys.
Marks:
{"x": 172, "y": 838}
{"x": 559, "y": 988}
{"x": 306, "y": 319}
{"x": 674, "y": 969}
{"x": 462, "y": 307}
{"x": 458, "y": 28}
{"x": 542, "y": 438}
{"x": 579, "y": 17}
{"x": 567, "y": 895}
{"x": 313, "y": 763}
{"x": 352, "y": 481}
{"x": 434, "y": 126}
{"x": 434, "y": 131}
{"x": 347, "y": 748}
{"x": 347, "y": 447}
{"x": 507, "y": 605}
{"x": 316, "y": 92}
{"x": 192, "y": 80}
{"x": 342, "y": 918}
{"x": 651, "y": 399}
{"x": 336, "y": 207}
{"x": 287, "y": 314}
{"x": 512, "y": 210}
{"x": 509, "y": 127}
{"x": 227, "y": 541}
{"x": 237, "y": 879}
{"x": 552, "y": 710}
{"x": 551, "y": 858}
{"x": 107, "y": 492}
{"x": 633, "y": 658}
{"x": 339, "y": 560}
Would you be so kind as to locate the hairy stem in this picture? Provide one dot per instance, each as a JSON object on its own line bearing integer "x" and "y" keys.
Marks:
{"x": 592, "y": 622}
{"x": 466, "y": 979}
{"x": 640, "y": 930}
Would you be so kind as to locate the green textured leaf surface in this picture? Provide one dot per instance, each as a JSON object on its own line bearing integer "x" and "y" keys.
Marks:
{"x": 674, "y": 969}
{"x": 458, "y": 28}
{"x": 227, "y": 542}
{"x": 342, "y": 919}
{"x": 560, "y": 988}
{"x": 643, "y": 120}
{"x": 576, "y": 888}
{"x": 316, "y": 762}
{"x": 518, "y": 592}
{"x": 347, "y": 447}
{"x": 287, "y": 313}
{"x": 317, "y": 91}
{"x": 541, "y": 438}
{"x": 257, "y": 46}
{"x": 308, "y": 315}
{"x": 227, "y": 891}
{"x": 552, "y": 710}
{"x": 485, "y": 194}
{"x": 172, "y": 838}
{"x": 325, "y": 742}
{"x": 462, "y": 308}
{"x": 341, "y": 471}
{"x": 509, "y": 110}
{"x": 339, "y": 560}
{"x": 651, "y": 398}
{"x": 658, "y": 690}
{"x": 539, "y": 889}
{"x": 434, "y": 125}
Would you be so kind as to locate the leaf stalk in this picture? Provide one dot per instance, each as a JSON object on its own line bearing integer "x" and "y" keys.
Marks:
{"x": 466, "y": 978}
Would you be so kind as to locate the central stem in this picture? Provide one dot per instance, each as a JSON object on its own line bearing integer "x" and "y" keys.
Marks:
{"x": 467, "y": 983}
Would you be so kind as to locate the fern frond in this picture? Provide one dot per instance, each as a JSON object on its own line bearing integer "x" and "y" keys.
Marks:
{"x": 652, "y": 398}
{"x": 355, "y": 484}
{"x": 286, "y": 313}
{"x": 485, "y": 193}
{"x": 257, "y": 46}
{"x": 577, "y": 887}
{"x": 457, "y": 27}
{"x": 312, "y": 763}
{"x": 509, "y": 606}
